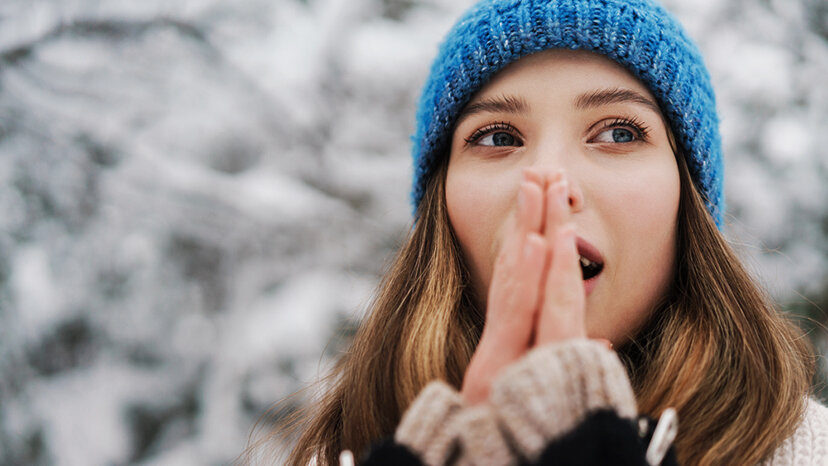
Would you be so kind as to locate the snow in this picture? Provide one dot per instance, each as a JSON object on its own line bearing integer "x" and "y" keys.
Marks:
{"x": 197, "y": 199}
{"x": 38, "y": 297}
{"x": 788, "y": 139}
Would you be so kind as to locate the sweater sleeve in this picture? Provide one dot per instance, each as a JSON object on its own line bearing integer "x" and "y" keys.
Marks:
{"x": 438, "y": 427}
{"x": 533, "y": 402}
{"x": 554, "y": 387}
{"x": 424, "y": 426}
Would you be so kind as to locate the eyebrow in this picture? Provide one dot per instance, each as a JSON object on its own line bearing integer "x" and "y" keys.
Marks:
{"x": 596, "y": 98}
{"x": 615, "y": 95}
{"x": 501, "y": 104}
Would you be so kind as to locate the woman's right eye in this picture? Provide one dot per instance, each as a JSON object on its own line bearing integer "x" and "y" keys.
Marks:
{"x": 498, "y": 139}
{"x": 497, "y": 135}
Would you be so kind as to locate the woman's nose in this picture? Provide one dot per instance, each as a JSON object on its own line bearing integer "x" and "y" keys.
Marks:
{"x": 576, "y": 197}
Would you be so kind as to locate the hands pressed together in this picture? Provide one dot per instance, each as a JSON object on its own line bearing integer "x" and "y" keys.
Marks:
{"x": 536, "y": 295}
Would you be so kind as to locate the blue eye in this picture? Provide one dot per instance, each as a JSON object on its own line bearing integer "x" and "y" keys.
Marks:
{"x": 622, "y": 131}
{"x": 616, "y": 135}
{"x": 622, "y": 135}
{"x": 496, "y": 135}
{"x": 499, "y": 139}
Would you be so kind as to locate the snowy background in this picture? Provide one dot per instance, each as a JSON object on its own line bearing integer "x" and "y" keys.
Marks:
{"x": 197, "y": 198}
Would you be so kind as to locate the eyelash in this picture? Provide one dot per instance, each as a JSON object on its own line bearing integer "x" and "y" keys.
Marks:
{"x": 635, "y": 125}
{"x": 632, "y": 123}
{"x": 488, "y": 129}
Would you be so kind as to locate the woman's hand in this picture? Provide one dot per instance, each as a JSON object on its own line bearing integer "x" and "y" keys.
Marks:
{"x": 562, "y": 309}
{"x": 536, "y": 295}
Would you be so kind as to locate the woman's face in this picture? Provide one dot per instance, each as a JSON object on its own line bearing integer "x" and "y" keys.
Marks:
{"x": 582, "y": 114}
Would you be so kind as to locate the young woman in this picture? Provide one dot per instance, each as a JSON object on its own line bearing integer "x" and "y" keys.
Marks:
{"x": 565, "y": 273}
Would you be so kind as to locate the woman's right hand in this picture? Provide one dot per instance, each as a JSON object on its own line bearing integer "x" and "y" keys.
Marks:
{"x": 536, "y": 295}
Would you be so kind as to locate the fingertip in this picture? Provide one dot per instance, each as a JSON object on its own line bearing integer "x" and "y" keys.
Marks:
{"x": 556, "y": 176}
{"x": 532, "y": 176}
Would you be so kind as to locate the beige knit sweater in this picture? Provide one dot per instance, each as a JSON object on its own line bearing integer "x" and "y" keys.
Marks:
{"x": 543, "y": 396}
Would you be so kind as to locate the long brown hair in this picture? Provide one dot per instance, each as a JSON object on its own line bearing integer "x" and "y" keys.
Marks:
{"x": 718, "y": 351}
{"x": 422, "y": 326}
{"x": 715, "y": 349}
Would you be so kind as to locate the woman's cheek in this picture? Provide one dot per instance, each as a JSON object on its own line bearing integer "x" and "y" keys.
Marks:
{"x": 641, "y": 220}
{"x": 642, "y": 203}
{"x": 479, "y": 210}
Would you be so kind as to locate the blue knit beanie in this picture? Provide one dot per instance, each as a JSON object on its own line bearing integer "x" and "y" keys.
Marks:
{"x": 638, "y": 34}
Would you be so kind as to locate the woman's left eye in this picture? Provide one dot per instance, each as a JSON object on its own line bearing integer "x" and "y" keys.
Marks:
{"x": 621, "y": 131}
{"x": 616, "y": 135}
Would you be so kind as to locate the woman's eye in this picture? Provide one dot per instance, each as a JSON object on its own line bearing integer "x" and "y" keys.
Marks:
{"x": 498, "y": 139}
{"x": 616, "y": 135}
{"x": 622, "y": 130}
{"x": 501, "y": 134}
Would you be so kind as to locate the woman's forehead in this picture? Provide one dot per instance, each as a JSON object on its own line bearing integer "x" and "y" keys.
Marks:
{"x": 561, "y": 81}
{"x": 587, "y": 76}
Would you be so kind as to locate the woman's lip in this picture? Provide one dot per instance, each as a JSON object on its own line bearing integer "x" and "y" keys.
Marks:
{"x": 589, "y": 285}
{"x": 588, "y": 251}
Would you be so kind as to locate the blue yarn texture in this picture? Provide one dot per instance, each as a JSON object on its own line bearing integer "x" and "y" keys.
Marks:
{"x": 638, "y": 34}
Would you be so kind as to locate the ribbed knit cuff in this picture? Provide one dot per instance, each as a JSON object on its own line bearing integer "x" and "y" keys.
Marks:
{"x": 480, "y": 439}
{"x": 554, "y": 387}
{"x": 426, "y": 428}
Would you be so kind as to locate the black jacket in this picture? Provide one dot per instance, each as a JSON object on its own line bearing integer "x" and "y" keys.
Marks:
{"x": 603, "y": 438}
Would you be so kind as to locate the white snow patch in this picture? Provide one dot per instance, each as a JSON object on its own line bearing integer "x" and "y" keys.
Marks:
{"x": 788, "y": 139}
{"x": 292, "y": 320}
{"x": 38, "y": 295}
{"x": 756, "y": 70}
{"x": 83, "y": 412}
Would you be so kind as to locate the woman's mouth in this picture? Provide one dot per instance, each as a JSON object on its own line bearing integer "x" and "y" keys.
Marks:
{"x": 589, "y": 268}
{"x": 592, "y": 263}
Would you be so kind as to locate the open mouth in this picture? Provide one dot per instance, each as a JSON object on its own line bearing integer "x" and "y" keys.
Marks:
{"x": 590, "y": 269}
{"x": 591, "y": 261}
